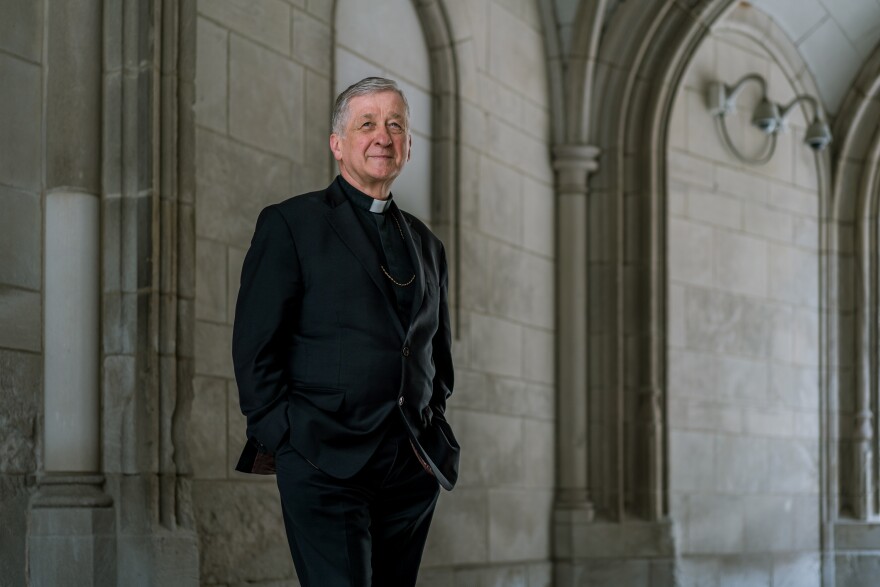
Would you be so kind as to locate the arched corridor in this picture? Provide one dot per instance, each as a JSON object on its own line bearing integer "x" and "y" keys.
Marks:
{"x": 666, "y": 356}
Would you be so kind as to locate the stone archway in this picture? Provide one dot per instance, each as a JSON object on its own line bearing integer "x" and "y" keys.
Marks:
{"x": 851, "y": 233}
{"x": 624, "y": 138}
{"x": 622, "y": 142}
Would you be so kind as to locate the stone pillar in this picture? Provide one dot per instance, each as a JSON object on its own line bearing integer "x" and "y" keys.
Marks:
{"x": 71, "y": 405}
{"x": 583, "y": 546}
{"x": 862, "y": 481}
{"x": 71, "y": 528}
{"x": 573, "y": 165}
{"x": 73, "y": 185}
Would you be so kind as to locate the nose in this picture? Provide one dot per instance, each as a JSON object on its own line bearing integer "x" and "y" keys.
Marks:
{"x": 383, "y": 137}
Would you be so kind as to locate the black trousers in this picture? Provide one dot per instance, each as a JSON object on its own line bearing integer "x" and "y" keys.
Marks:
{"x": 366, "y": 531}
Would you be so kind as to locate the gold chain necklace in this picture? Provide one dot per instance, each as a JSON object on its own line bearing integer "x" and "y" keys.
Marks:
{"x": 385, "y": 271}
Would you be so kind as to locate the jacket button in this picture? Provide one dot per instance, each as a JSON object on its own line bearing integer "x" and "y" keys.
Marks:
{"x": 406, "y": 351}
{"x": 400, "y": 401}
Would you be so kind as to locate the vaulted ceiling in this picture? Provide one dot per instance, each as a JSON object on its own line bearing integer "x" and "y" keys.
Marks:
{"x": 833, "y": 36}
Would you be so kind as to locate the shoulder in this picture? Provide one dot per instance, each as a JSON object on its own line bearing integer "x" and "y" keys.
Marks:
{"x": 303, "y": 203}
{"x": 289, "y": 216}
{"x": 298, "y": 209}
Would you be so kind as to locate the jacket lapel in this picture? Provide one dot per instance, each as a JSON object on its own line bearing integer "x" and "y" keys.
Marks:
{"x": 346, "y": 225}
{"x": 414, "y": 244}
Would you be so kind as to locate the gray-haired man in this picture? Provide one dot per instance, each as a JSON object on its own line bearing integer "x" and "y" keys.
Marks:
{"x": 342, "y": 357}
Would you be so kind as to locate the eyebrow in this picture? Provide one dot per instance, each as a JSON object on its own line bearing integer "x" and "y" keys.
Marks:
{"x": 394, "y": 115}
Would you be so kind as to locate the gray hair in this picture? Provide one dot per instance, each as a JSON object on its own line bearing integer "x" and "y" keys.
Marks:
{"x": 368, "y": 85}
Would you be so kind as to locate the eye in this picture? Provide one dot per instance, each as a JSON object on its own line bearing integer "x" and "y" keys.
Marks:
{"x": 396, "y": 127}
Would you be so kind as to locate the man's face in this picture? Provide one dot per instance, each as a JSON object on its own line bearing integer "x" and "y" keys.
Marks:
{"x": 376, "y": 143}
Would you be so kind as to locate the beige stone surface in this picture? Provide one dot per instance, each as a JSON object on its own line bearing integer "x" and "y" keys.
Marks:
{"x": 235, "y": 257}
{"x": 208, "y": 428}
{"x": 21, "y": 31}
{"x": 316, "y": 128}
{"x": 265, "y": 94}
{"x": 539, "y": 458}
{"x": 212, "y": 79}
{"x": 460, "y": 530}
{"x": 743, "y": 301}
{"x": 211, "y": 281}
{"x": 692, "y": 247}
{"x": 475, "y": 267}
{"x": 516, "y": 531}
{"x": 385, "y": 49}
{"x": 539, "y": 356}
{"x": 496, "y": 345}
{"x": 20, "y": 230}
{"x": 265, "y": 21}
{"x": 20, "y": 122}
{"x": 213, "y": 343}
{"x": 21, "y": 395}
{"x": 311, "y": 41}
{"x": 715, "y": 209}
{"x": 117, "y": 415}
{"x": 241, "y": 534}
{"x": 500, "y": 460}
{"x": 515, "y": 50}
{"x": 320, "y": 8}
{"x": 234, "y": 183}
{"x": 20, "y": 314}
{"x": 768, "y": 223}
{"x": 538, "y": 213}
{"x": 741, "y": 263}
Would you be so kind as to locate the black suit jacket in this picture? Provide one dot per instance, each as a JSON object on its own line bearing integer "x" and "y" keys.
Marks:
{"x": 321, "y": 356}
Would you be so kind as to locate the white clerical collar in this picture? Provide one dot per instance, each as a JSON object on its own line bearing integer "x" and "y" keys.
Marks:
{"x": 379, "y": 206}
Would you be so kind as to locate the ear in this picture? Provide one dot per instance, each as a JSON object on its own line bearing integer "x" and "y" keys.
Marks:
{"x": 336, "y": 146}
{"x": 408, "y": 147}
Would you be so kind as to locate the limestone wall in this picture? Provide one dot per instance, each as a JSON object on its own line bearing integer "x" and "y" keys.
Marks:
{"x": 262, "y": 116}
{"x": 263, "y": 102}
{"x": 493, "y": 529}
{"x": 743, "y": 316}
{"x": 21, "y": 235}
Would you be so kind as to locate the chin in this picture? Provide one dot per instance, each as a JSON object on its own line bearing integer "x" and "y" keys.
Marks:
{"x": 386, "y": 175}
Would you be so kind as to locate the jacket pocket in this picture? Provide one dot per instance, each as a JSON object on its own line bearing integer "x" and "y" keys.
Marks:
{"x": 324, "y": 398}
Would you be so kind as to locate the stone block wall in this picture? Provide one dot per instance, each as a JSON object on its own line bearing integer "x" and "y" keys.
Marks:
{"x": 21, "y": 282}
{"x": 743, "y": 317}
{"x": 262, "y": 110}
{"x": 263, "y": 99}
{"x": 493, "y": 529}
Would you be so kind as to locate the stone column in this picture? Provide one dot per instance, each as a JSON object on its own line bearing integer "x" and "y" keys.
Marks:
{"x": 71, "y": 534}
{"x": 71, "y": 303}
{"x": 573, "y": 165}
{"x": 862, "y": 488}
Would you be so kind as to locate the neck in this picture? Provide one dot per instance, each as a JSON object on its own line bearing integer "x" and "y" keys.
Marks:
{"x": 378, "y": 191}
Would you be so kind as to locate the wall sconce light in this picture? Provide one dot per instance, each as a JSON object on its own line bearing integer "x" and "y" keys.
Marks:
{"x": 767, "y": 116}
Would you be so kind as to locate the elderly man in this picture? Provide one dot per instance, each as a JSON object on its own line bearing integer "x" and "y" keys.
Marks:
{"x": 342, "y": 358}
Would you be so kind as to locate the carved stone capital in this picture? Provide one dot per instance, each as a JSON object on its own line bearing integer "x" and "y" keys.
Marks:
{"x": 573, "y": 164}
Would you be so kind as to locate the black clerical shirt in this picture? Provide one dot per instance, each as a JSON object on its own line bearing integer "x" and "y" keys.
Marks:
{"x": 383, "y": 228}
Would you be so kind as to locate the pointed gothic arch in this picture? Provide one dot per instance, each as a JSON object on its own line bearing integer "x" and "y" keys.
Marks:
{"x": 640, "y": 61}
{"x": 853, "y": 300}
